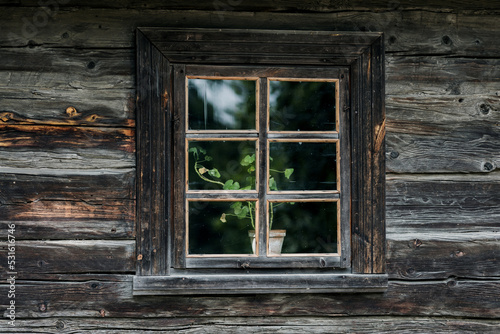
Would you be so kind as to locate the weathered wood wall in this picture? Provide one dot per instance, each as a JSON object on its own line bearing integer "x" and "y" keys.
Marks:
{"x": 67, "y": 167}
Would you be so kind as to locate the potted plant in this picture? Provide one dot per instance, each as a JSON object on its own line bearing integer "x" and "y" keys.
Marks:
{"x": 242, "y": 209}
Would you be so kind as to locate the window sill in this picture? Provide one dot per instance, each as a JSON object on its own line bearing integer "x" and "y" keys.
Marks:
{"x": 258, "y": 283}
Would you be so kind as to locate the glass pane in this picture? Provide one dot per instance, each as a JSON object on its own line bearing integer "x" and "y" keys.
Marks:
{"x": 310, "y": 227}
{"x": 221, "y": 165}
{"x": 221, "y": 227}
{"x": 302, "y": 166}
{"x": 302, "y": 106}
{"x": 221, "y": 104}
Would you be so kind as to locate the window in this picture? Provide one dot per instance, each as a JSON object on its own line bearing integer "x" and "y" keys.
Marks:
{"x": 260, "y": 162}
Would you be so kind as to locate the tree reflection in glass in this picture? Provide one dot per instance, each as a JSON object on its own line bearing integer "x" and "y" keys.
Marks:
{"x": 221, "y": 104}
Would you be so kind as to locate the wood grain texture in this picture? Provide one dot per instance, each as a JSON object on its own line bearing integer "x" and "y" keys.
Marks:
{"x": 418, "y": 256}
{"x": 440, "y": 32}
{"x": 23, "y": 195}
{"x": 73, "y": 171}
{"x": 431, "y": 147}
{"x": 452, "y": 298}
{"x": 64, "y": 159}
{"x": 65, "y": 69}
{"x": 437, "y": 75}
{"x": 70, "y": 256}
{"x": 50, "y": 137}
{"x": 285, "y": 325}
{"x": 279, "y": 5}
{"x": 461, "y": 205}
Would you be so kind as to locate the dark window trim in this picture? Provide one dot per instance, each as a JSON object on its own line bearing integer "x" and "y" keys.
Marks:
{"x": 160, "y": 48}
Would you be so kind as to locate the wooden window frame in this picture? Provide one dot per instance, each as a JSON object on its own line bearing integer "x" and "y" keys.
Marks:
{"x": 160, "y": 51}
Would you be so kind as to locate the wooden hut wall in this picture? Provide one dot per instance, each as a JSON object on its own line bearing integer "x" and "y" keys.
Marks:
{"x": 67, "y": 168}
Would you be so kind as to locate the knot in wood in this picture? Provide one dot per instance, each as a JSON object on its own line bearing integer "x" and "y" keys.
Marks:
{"x": 71, "y": 111}
{"x": 6, "y": 116}
{"x": 42, "y": 307}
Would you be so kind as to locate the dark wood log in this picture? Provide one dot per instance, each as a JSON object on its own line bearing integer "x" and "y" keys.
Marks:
{"x": 318, "y": 324}
{"x": 58, "y": 210}
{"x": 52, "y": 107}
{"x": 69, "y": 256}
{"x": 424, "y": 147}
{"x": 424, "y": 75}
{"x": 442, "y": 255}
{"x": 20, "y": 193}
{"x": 440, "y": 32}
{"x": 66, "y": 69}
{"x": 64, "y": 161}
{"x": 52, "y": 137}
{"x": 98, "y": 187}
{"x": 443, "y": 109}
{"x": 452, "y": 298}
{"x": 71, "y": 228}
{"x": 279, "y": 5}
{"x": 459, "y": 204}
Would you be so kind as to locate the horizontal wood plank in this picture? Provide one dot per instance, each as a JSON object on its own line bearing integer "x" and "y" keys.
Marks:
{"x": 461, "y": 204}
{"x": 66, "y": 69}
{"x": 317, "y": 324}
{"x": 454, "y": 298}
{"x": 69, "y": 256}
{"x": 47, "y": 211}
{"x": 442, "y": 109}
{"x": 45, "y": 106}
{"x": 98, "y": 187}
{"x": 435, "y": 75}
{"x": 431, "y": 147}
{"x": 277, "y": 5}
{"x": 50, "y": 137}
{"x": 71, "y": 202}
{"x": 442, "y": 255}
{"x": 64, "y": 159}
{"x": 439, "y": 32}
{"x": 59, "y": 229}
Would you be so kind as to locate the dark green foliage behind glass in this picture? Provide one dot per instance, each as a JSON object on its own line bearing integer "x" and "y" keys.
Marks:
{"x": 302, "y": 106}
{"x": 311, "y": 227}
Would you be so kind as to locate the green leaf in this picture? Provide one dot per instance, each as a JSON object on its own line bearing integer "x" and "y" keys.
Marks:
{"x": 249, "y": 159}
{"x": 251, "y": 169}
{"x": 208, "y": 158}
{"x": 236, "y": 205}
{"x": 272, "y": 184}
{"x": 214, "y": 173}
{"x": 231, "y": 185}
{"x": 288, "y": 172}
{"x": 202, "y": 150}
{"x": 242, "y": 212}
{"x": 246, "y": 188}
{"x": 194, "y": 150}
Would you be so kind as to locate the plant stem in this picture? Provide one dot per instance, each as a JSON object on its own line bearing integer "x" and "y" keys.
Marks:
{"x": 196, "y": 167}
{"x": 250, "y": 205}
{"x": 271, "y": 215}
{"x": 277, "y": 171}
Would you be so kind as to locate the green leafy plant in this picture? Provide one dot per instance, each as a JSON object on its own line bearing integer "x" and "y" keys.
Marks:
{"x": 240, "y": 209}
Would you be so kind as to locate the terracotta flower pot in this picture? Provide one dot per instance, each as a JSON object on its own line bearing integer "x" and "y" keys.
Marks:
{"x": 276, "y": 238}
